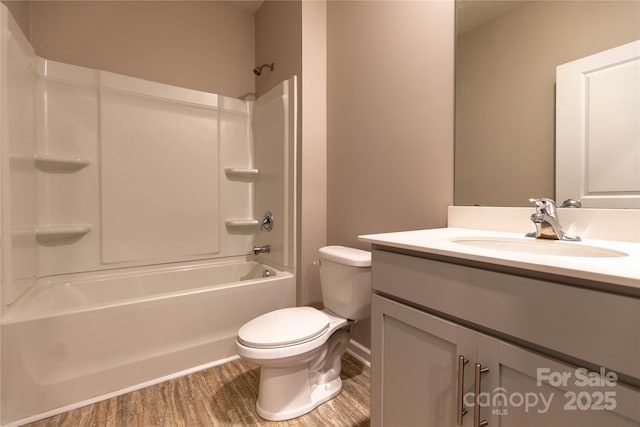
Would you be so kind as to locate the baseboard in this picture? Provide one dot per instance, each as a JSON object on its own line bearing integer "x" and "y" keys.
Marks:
{"x": 360, "y": 352}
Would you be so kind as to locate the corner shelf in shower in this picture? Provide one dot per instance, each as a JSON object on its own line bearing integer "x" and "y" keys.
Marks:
{"x": 241, "y": 173}
{"x": 58, "y": 232}
{"x": 50, "y": 163}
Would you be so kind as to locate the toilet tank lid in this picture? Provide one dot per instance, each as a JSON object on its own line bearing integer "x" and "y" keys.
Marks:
{"x": 347, "y": 256}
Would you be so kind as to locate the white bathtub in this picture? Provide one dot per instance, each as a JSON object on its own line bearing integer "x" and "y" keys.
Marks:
{"x": 79, "y": 338}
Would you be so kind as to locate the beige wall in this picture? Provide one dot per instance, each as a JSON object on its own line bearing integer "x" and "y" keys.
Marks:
{"x": 313, "y": 152}
{"x": 20, "y": 12}
{"x": 278, "y": 34}
{"x": 203, "y": 45}
{"x": 390, "y": 119}
{"x": 506, "y": 97}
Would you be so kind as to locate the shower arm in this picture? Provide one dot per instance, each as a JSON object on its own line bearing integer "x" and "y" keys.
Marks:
{"x": 258, "y": 70}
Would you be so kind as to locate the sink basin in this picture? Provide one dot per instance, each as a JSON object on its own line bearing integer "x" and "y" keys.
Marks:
{"x": 538, "y": 246}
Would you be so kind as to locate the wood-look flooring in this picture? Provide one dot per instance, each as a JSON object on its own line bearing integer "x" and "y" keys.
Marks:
{"x": 224, "y": 395}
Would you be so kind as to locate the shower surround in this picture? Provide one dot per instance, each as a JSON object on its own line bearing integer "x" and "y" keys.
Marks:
{"x": 128, "y": 211}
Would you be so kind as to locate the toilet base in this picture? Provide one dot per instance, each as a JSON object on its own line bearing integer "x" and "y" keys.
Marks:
{"x": 319, "y": 394}
{"x": 290, "y": 391}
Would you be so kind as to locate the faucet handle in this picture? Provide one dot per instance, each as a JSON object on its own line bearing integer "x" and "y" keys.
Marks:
{"x": 571, "y": 203}
{"x": 538, "y": 202}
{"x": 544, "y": 206}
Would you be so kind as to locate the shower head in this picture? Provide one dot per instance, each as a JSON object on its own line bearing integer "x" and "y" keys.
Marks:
{"x": 258, "y": 70}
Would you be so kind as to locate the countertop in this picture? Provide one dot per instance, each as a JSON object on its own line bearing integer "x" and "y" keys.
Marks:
{"x": 620, "y": 271}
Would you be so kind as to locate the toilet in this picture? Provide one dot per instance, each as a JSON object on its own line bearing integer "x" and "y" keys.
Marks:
{"x": 299, "y": 349}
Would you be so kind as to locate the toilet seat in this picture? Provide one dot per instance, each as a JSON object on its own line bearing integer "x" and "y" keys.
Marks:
{"x": 283, "y": 328}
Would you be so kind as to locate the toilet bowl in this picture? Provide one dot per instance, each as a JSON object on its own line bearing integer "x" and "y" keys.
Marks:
{"x": 300, "y": 349}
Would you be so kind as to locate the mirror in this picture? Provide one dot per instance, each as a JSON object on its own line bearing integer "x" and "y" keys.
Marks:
{"x": 506, "y": 58}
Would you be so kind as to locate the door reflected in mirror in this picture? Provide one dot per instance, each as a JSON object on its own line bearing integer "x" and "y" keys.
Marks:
{"x": 506, "y": 58}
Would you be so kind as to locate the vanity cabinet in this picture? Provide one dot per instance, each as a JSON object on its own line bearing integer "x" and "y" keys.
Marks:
{"x": 428, "y": 314}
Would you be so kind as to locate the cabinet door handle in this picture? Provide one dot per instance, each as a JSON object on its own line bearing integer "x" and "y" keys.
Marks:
{"x": 461, "y": 410}
{"x": 479, "y": 370}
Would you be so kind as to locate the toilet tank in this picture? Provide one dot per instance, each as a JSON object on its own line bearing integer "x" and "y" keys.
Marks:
{"x": 345, "y": 279}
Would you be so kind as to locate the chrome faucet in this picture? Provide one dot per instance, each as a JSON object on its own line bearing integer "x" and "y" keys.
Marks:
{"x": 546, "y": 222}
{"x": 261, "y": 249}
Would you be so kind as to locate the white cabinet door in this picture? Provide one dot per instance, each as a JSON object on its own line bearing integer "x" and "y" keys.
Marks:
{"x": 414, "y": 367}
{"x": 414, "y": 379}
{"x": 536, "y": 390}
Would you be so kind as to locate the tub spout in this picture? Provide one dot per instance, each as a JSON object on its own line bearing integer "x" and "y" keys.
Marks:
{"x": 261, "y": 249}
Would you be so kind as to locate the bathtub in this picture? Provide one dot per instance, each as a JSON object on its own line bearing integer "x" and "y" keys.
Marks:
{"x": 76, "y": 339}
